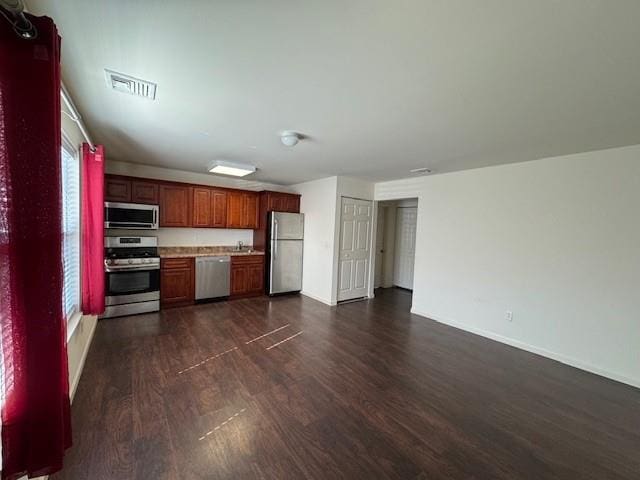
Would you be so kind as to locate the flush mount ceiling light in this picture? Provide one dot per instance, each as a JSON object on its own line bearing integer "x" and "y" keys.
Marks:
{"x": 420, "y": 170}
{"x": 234, "y": 169}
{"x": 290, "y": 138}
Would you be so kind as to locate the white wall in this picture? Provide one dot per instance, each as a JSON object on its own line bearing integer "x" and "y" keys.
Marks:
{"x": 556, "y": 241}
{"x": 318, "y": 203}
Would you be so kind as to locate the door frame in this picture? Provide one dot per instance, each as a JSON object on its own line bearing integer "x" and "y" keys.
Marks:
{"x": 379, "y": 249}
{"x": 338, "y": 236}
{"x": 399, "y": 209}
{"x": 398, "y": 201}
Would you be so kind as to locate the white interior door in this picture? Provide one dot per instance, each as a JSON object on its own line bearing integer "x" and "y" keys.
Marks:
{"x": 355, "y": 248}
{"x": 405, "y": 248}
{"x": 377, "y": 282}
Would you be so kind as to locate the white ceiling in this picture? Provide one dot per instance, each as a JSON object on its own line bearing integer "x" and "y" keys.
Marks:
{"x": 380, "y": 86}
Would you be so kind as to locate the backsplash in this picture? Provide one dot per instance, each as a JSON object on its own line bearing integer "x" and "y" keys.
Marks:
{"x": 190, "y": 237}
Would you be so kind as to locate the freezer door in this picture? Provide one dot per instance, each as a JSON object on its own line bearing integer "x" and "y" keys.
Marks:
{"x": 287, "y": 226}
{"x": 285, "y": 273}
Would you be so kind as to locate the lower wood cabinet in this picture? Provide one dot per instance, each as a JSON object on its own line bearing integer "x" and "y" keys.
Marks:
{"x": 247, "y": 276}
{"x": 177, "y": 282}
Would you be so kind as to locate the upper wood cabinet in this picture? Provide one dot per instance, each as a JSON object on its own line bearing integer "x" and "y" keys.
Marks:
{"x": 218, "y": 208}
{"x": 186, "y": 205}
{"x": 292, "y": 204}
{"x": 250, "y": 213}
{"x": 282, "y": 202}
{"x": 242, "y": 210}
{"x": 272, "y": 202}
{"x": 201, "y": 207}
{"x": 235, "y": 208}
{"x": 174, "y": 206}
{"x": 209, "y": 207}
{"x": 144, "y": 192}
{"x": 117, "y": 190}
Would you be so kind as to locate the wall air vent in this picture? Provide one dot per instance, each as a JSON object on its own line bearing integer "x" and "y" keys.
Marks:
{"x": 131, "y": 85}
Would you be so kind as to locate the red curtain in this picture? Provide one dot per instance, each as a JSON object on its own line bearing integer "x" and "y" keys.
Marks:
{"x": 35, "y": 385}
{"x": 92, "y": 230}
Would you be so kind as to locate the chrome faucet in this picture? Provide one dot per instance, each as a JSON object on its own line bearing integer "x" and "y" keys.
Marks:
{"x": 240, "y": 245}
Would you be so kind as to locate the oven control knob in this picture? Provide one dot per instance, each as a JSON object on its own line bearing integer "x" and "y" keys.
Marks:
{"x": 130, "y": 261}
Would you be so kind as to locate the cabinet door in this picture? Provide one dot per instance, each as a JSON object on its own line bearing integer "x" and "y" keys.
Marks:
{"x": 117, "y": 190}
{"x": 272, "y": 202}
{"x": 239, "y": 279}
{"x": 255, "y": 278}
{"x": 177, "y": 282}
{"x": 201, "y": 207}
{"x": 250, "y": 217}
{"x": 218, "y": 208}
{"x": 144, "y": 192}
{"x": 292, "y": 204}
{"x": 174, "y": 206}
{"x": 235, "y": 210}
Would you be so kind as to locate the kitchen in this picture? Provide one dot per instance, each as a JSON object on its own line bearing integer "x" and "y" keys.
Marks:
{"x": 149, "y": 267}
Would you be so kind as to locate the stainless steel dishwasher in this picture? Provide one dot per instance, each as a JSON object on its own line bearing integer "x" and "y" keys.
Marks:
{"x": 213, "y": 277}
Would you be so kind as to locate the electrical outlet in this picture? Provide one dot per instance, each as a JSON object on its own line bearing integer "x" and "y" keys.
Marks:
{"x": 508, "y": 316}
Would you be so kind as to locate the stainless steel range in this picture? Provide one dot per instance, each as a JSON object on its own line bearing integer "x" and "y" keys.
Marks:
{"x": 132, "y": 276}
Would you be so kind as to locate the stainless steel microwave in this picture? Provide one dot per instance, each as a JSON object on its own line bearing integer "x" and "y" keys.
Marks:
{"x": 130, "y": 216}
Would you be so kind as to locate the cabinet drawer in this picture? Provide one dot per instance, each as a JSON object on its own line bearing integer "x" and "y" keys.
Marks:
{"x": 168, "y": 263}
{"x": 247, "y": 259}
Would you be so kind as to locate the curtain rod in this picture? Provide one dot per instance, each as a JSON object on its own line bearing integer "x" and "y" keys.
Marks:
{"x": 25, "y": 29}
{"x": 21, "y": 25}
{"x": 75, "y": 116}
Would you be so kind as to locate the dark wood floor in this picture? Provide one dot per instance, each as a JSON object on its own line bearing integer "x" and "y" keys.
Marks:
{"x": 367, "y": 390}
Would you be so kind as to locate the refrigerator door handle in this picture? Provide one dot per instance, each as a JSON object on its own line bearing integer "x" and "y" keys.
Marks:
{"x": 275, "y": 237}
{"x": 274, "y": 253}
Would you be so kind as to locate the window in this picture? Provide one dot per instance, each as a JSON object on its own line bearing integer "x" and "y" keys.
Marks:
{"x": 71, "y": 229}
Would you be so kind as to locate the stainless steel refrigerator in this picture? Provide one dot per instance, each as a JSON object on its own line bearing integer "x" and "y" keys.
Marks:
{"x": 284, "y": 252}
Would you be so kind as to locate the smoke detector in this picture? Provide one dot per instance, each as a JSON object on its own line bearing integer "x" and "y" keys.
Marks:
{"x": 290, "y": 138}
{"x": 123, "y": 83}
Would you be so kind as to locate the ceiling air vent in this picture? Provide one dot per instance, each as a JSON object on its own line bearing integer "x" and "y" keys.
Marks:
{"x": 127, "y": 84}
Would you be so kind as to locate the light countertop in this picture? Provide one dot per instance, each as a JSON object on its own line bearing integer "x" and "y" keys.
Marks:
{"x": 187, "y": 252}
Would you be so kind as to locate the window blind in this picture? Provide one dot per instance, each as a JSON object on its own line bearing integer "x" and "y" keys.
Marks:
{"x": 71, "y": 230}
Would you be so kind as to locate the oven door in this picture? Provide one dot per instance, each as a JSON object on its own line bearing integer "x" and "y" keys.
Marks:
{"x": 131, "y": 216}
{"x": 132, "y": 285}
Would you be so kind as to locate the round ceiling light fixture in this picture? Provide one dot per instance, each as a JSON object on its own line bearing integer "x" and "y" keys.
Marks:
{"x": 290, "y": 138}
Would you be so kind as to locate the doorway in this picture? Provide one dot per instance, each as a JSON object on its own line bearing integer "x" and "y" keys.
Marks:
{"x": 395, "y": 243}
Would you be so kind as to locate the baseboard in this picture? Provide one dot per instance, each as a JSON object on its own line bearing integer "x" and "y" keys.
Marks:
{"x": 573, "y": 362}
{"x": 76, "y": 380}
{"x": 319, "y": 299}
